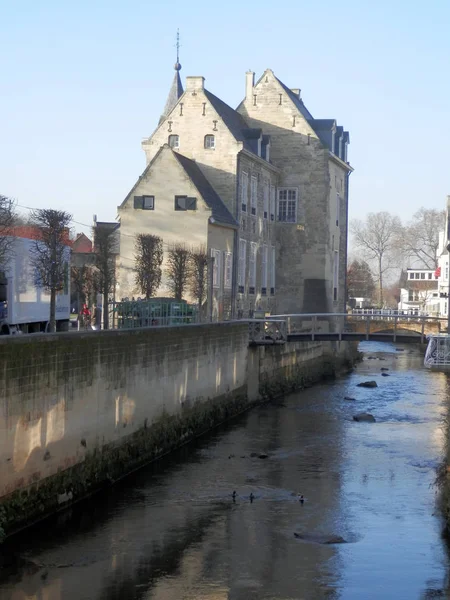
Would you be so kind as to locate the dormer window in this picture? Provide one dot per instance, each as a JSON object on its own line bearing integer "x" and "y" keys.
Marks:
{"x": 210, "y": 142}
{"x": 174, "y": 141}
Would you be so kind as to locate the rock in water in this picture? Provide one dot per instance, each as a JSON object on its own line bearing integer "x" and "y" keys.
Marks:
{"x": 385, "y": 375}
{"x": 364, "y": 418}
{"x": 349, "y": 398}
{"x": 320, "y": 539}
{"x": 384, "y": 369}
{"x": 368, "y": 384}
{"x": 263, "y": 456}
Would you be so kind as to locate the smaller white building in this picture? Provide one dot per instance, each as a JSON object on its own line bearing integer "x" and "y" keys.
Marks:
{"x": 419, "y": 293}
{"x": 442, "y": 273}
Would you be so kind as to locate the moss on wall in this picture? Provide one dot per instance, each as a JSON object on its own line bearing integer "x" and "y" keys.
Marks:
{"x": 114, "y": 461}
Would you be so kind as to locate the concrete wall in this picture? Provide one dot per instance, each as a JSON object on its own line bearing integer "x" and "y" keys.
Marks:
{"x": 79, "y": 411}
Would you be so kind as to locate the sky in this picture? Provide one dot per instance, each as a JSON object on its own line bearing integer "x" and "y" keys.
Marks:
{"x": 83, "y": 82}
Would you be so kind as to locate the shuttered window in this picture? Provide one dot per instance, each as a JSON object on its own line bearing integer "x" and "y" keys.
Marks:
{"x": 244, "y": 191}
{"x": 228, "y": 268}
{"x": 242, "y": 264}
{"x": 252, "y": 268}
{"x": 264, "y": 254}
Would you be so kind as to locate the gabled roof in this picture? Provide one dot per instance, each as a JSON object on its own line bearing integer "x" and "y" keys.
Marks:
{"x": 220, "y": 212}
{"x": 232, "y": 119}
{"x": 296, "y": 100}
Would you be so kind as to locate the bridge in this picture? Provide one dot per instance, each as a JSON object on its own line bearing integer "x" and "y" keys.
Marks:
{"x": 279, "y": 329}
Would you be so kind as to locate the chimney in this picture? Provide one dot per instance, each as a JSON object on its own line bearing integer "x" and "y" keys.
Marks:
{"x": 249, "y": 85}
{"x": 297, "y": 92}
{"x": 195, "y": 83}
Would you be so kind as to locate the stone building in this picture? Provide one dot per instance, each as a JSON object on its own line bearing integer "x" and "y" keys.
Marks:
{"x": 265, "y": 189}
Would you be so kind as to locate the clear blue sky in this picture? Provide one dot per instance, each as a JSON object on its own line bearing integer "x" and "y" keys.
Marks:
{"x": 84, "y": 82}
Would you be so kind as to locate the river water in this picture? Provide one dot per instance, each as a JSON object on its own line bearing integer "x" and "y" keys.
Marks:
{"x": 172, "y": 531}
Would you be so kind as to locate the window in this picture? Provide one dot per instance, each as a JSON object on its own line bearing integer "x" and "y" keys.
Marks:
{"x": 264, "y": 253}
{"x": 272, "y": 270}
{"x": 266, "y": 199}
{"x": 254, "y": 194}
{"x": 228, "y": 268}
{"x": 185, "y": 203}
{"x": 174, "y": 141}
{"x": 252, "y": 268}
{"x": 422, "y": 276}
{"x": 216, "y": 267}
{"x": 417, "y": 275}
{"x": 242, "y": 265}
{"x": 287, "y": 205}
{"x": 272, "y": 203}
{"x": 411, "y": 275}
{"x": 410, "y": 296}
{"x": 338, "y": 209}
{"x": 144, "y": 202}
{"x": 430, "y": 275}
{"x": 244, "y": 191}
{"x": 335, "y": 276}
{"x": 148, "y": 202}
{"x": 210, "y": 142}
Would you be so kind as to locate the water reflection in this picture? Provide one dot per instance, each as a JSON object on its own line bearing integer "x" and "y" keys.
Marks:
{"x": 173, "y": 531}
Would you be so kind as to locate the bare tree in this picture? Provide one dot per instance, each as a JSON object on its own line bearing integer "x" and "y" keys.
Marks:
{"x": 376, "y": 238}
{"x": 105, "y": 248}
{"x": 7, "y": 221}
{"x": 198, "y": 276}
{"x": 177, "y": 270}
{"x": 148, "y": 254}
{"x": 419, "y": 239}
{"x": 83, "y": 284}
{"x": 49, "y": 253}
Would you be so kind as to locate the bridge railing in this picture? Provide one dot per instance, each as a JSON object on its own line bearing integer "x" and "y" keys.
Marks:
{"x": 339, "y": 323}
{"x": 267, "y": 331}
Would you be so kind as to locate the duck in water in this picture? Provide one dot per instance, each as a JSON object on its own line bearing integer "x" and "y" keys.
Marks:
{"x": 234, "y": 496}
{"x": 301, "y": 499}
{"x": 252, "y": 497}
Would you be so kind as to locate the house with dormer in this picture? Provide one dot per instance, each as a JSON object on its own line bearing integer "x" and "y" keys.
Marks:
{"x": 265, "y": 189}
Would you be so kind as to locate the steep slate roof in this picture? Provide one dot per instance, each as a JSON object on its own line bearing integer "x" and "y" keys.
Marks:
{"x": 232, "y": 119}
{"x": 296, "y": 100}
{"x": 220, "y": 212}
{"x": 175, "y": 93}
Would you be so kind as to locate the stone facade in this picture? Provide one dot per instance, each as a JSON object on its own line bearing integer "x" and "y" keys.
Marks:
{"x": 281, "y": 175}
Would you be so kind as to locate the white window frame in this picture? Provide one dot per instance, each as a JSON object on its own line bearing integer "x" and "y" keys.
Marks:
{"x": 287, "y": 200}
{"x": 264, "y": 255}
{"x": 210, "y": 137}
{"x": 242, "y": 262}
{"x": 216, "y": 254}
{"x": 252, "y": 266}
{"x": 254, "y": 194}
{"x": 273, "y": 202}
{"x": 228, "y": 270}
{"x": 244, "y": 191}
{"x": 266, "y": 199}
{"x": 173, "y": 136}
{"x": 272, "y": 268}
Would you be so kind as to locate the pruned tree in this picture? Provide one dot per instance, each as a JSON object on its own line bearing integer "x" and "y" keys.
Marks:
{"x": 83, "y": 282}
{"x": 105, "y": 248}
{"x": 376, "y": 238}
{"x": 419, "y": 239}
{"x": 8, "y": 218}
{"x": 360, "y": 282}
{"x": 148, "y": 254}
{"x": 49, "y": 253}
{"x": 177, "y": 271}
{"x": 198, "y": 276}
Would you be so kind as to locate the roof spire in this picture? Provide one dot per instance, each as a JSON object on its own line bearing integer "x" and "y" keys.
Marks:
{"x": 176, "y": 90}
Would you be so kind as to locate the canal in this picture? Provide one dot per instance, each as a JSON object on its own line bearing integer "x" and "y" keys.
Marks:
{"x": 172, "y": 531}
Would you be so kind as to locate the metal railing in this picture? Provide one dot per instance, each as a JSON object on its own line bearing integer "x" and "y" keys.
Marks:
{"x": 337, "y": 324}
{"x": 267, "y": 331}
